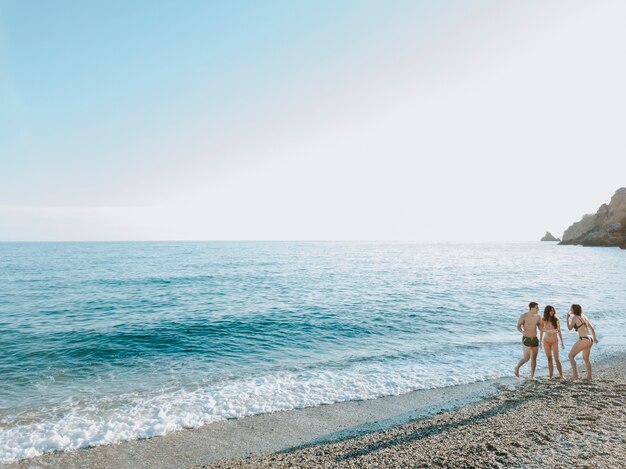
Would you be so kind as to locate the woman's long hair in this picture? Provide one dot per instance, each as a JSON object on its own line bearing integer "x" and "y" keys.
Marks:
{"x": 546, "y": 316}
{"x": 578, "y": 311}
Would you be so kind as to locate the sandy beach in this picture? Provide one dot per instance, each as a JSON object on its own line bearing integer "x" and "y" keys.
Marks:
{"x": 500, "y": 423}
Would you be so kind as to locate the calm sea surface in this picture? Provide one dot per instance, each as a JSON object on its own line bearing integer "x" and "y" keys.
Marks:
{"x": 104, "y": 342}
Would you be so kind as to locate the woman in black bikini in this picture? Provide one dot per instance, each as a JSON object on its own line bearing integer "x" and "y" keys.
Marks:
{"x": 581, "y": 324}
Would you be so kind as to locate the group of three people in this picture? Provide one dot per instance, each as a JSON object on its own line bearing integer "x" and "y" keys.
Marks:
{"x": 549, "y": 328}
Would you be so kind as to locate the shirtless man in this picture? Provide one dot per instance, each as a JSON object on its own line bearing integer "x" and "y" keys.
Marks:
{"x": 528, "y": 324}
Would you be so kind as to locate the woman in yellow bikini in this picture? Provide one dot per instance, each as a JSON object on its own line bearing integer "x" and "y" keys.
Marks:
{"x": 549, "y": 339}
{"x": 581, "y": 324}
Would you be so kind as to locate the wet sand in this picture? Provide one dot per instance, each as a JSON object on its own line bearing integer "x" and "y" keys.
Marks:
{"x": 501, "y": 423}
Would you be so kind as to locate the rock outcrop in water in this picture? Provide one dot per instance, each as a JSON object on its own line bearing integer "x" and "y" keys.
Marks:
{"x": 549, "y": 237}
{"x": 607, "y": 227}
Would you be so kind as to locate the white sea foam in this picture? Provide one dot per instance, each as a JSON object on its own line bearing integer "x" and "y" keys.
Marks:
{"x": 141, "y": 416}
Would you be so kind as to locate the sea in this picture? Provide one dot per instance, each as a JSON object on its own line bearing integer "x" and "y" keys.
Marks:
{"x": 106, "y": 342}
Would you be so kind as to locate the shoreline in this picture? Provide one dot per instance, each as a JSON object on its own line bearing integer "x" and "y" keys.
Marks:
{"x": 271, "y": 432}
{"x": 391, "y": 430}
{"x": 534, "y": 424}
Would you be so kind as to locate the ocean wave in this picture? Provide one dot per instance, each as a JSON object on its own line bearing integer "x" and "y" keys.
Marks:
{"x": 130, "y": 416}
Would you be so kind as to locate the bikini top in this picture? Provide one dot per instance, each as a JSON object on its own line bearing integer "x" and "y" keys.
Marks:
{"x": 577, "y": 326}
{"x": 548, "y": 327}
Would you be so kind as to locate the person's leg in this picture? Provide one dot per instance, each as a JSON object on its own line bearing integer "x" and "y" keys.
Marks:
{"x": 547, "y": 347}
{"x": 557, "y": 361}
{"x": 533, "y": 361}
{"x": 586, "y": 353}
{"x": 523, "y": 360}
{"x": 576, "y": 349}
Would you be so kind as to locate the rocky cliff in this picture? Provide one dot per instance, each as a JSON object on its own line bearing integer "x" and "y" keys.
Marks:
{"x": 607, "y": 227}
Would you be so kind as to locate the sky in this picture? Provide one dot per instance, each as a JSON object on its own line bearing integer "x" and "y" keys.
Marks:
{"x": 447, "y": 121}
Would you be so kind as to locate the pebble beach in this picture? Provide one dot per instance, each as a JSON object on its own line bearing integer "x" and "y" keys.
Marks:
{"x": 541, "y": 423}
{"x": 501, "y": 423}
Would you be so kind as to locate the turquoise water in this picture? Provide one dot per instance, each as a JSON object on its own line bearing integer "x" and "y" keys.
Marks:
{"x": 105, "y": 342}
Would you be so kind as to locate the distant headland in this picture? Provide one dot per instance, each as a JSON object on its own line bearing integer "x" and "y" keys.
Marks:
{"x": 607, "y": 227}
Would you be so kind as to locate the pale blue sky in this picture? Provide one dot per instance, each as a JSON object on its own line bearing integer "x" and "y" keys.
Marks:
{"x": 308, "y": 119}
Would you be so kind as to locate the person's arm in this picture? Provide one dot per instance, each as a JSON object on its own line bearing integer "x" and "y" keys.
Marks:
{"x": 570, "y": 323}
{"x": 558, "y": 331}
{"x": 540, "y": 335}
{"x": 593, "y": 331}
{"x": 520, "y": 323}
